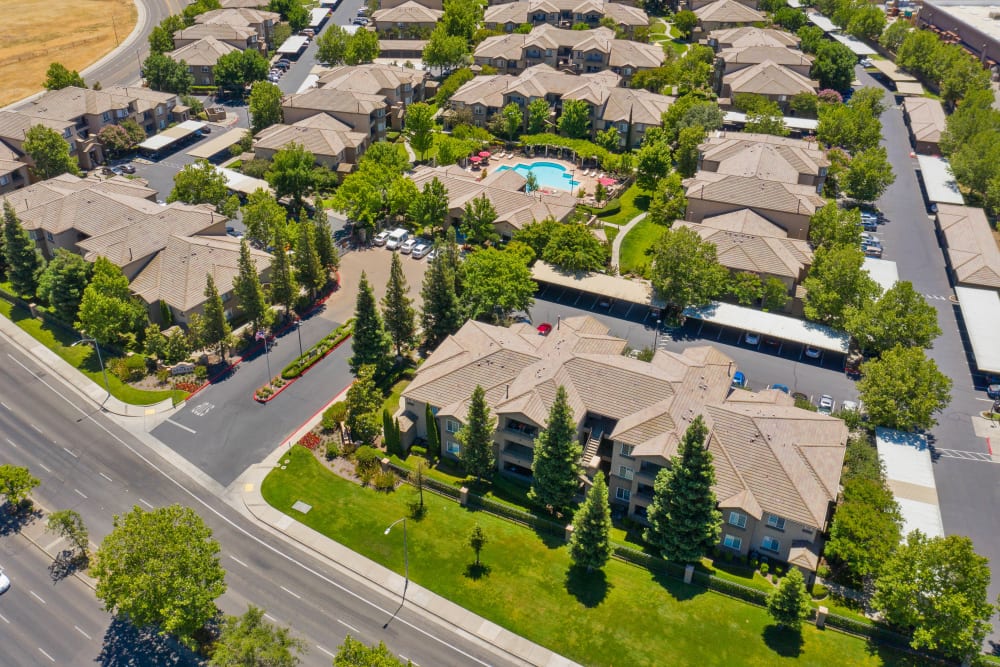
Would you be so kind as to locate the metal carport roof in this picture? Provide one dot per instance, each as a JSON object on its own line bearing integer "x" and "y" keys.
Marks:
{"x": 217, "y": 144}
{"x": 856, "y": 46}
{"x": 938, "y": 180}
{"x": 613, "y": 287}
{"x": 909, "y": 474}
{"x": 981, "y": 312}
{"x": 772, "y": 325}
{"x": 293, "y": 45}
{"x": 171, "y": 135}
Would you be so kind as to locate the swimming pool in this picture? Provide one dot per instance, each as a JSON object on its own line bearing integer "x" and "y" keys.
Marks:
{"x": 548, "y": 174}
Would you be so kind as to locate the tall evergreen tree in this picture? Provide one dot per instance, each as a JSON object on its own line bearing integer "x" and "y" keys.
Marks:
{"x": 370, "y": 343}
{"x": 590, "y": 545}
{"x": 216, "y": 328}
{"x": 329, "y": 258}
{"x": 308, "y": 269}
{"x": 284, "y": 289}
{"x": 433, "y": 434}
{"x": 789, "y": 604}
{"x": 476, "y": 437}
{"x": 247, "y": 288}
{"x": 441, "y": 314}
{"x": 24, "y": 261}
{"x": 62, "y": 283}
{"x": 397, "y": 308}
{"x": 556, "y": 466}
{"x": 684, "y": 521}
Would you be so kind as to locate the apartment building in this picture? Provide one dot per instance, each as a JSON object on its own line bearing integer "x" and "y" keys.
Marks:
{"x": 201, "y": 57}
{"x": 507, "y": 17}
{"x": 335, "y": 145}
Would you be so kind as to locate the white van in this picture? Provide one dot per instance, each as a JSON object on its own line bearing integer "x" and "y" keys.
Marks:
{"x": 396, "y": 238}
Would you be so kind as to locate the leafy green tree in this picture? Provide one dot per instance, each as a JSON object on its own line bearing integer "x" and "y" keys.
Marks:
{"x": 455, "y": 80}
{"x": 538, "y": 115}
{"x": 353, "y": 653}
{"x": 866, "y": 530}
{"x": 919, "y": 53}
{"x": 108, "y": 312}
{"x": 496, "y": 283}
{"x": 851, "y": 127}
{"x": 868, "y": 22}
{"x": 746, "y": 287}
{"x": 389, "y": 433}
{"x": 284, "y": 287}
{"x": 477, "y": 221}
{"x": 937, "y": 588}
{"x": 903, "y": 389}
{"x": 653, "y": 161}
{"x": 292, "y": 173}
{"x": 695, "y": 69}
{"x": 329, "y": 257}
{"x": 961, "y": 75}
{"x": 236, "y": 70}
{"x": 477, "y": 540}
{"x": 362, "y": 47}
{"x": 23, "y": 260}
{"x": 16, "y": 483}
{"x": 690, "y": 110}
{"x": 836, "y": 284}
{"x": 445, "y": 51}
{"x": 834, "y": 226}
{"x": 537, "y": 235}
{"x": 201, "y": 183}
{"x": 250, "y": 641}
{"x": 49, "y": 153}
{"x": 900, "y": 316}
{"x": 291, "y": 11}
{"x": 429, "y": 209}
{"x": 197, "y": 8}
{"x": 590, "y": 545}
{"x": 766, "y": 119}
{"x": 247, "y": 288}
{"x": 685, "y": 21}
{"x": 790, "y": 19}
{"x": 118, "y": 140}
{"x": 684, "y": 520}
{"x": 774, "y": 294}
{"x": 476, "y": 437}
{"x": 441, "y": 312}
{"x": 609, "y": 139}
{"x": 834, "y": 65}
{"x": 575, "y": 119}
{"x": 555, "y": 468}
{"x": 397, "y": 308}
{"x": 894, "y": 34}
{"x": 868, "y": 175}
{"x": 69, "y": 524}
{"x": 573, "y": 247}
{"x": 58, "y": 77}
{"x": 975, "y": 162}
{"x": 669, "y": 202}
{"x": 265, "y": 106}
{"x": 62, "y": 283}
{"x": 810, "y": 37}
{"x": 364, "y": 405}
{"x": 165, "y": 74}
{"x": 686, "y": 154}
{"x": 513, "y": 120}
{"x": 217, "y": 329}
{"x": 161, "y": 38}
{"x": 789, "y": 604}
{"x": 433, "y": 434}
{"x": 685, "y": 269}
{"x": 309, "y": 270}
{"x": 371, "y": 344}
{"x": 331, "y": 45}
{"x": 420, "y": 127}
{"x": 263, "y": 216}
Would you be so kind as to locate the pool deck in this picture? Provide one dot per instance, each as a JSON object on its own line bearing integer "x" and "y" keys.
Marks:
{"x": 587, "y": 178}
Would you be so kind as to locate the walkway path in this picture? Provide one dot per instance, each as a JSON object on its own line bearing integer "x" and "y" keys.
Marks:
{"x": 616, "y": 245}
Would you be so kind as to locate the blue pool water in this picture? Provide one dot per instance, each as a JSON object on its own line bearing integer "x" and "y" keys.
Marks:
{"x": 548, "y": 174}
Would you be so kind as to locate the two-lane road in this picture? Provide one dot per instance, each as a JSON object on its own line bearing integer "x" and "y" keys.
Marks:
{"x": 122, "y": 66}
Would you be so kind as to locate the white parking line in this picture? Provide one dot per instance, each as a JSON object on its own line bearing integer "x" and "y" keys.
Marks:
{"x": 105, "y": 476}
{"x": 270, "y": 618}
{"x": 37, "y": 597}
{"x": 70, "y": 453}
{"x": 45, "y": 467}
{"x": 82, "y": 632}
{"x": 46, "y": 654}
{"x": 295, "y": 595}
{"x": 6, "y": 407}
{"x": 348, "y": 626}
{"x": 11, "y": 443}
{"x": 145, "y": 503}
{"x": 36, "y": 428}
{"x": 239, "y": 561}
{"x": 325, "y": 651}
{"x": 181, "y": 426}
{"x": 81, "y": 493}
{"x": 4, "y": 619}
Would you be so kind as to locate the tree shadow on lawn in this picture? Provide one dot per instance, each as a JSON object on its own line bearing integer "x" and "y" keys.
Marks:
{"x": 477, "y": 570}
{"x": 675, "y": 587}
{"x": 589, "y": 588}
{"x": 126, "y": 645}
{"x": 783, "y": 641}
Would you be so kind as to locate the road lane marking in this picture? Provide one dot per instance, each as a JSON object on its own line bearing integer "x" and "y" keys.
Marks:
{"x": 349, "y": 626}
{"x": 70, "y": 453}
{"x": 270, "y": 618}
{"x": 4, "y": 619}
{"x": 46, "y": 654}
{"x": 11, "y": 443}
{"x": 81, "y": 493}
{"x": 82, "y": 632}
{"x": 37, "y": 596}
{"x": 105, "y": 476}
{"x": 145, "y": 503}
{"x": 45, "y": 467}
{"x": 240, "y": 529}
{"x": 296, "y": 595}
{"x": 239, "y": 561}
{"x": 7, "y": 407}
{"x": 182, "y": 426}
{"x": 325, "y": 651}
{"x": 36, "y": 428}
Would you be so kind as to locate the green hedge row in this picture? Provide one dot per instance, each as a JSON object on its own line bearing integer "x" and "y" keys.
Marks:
{"x": 301, "y": 364}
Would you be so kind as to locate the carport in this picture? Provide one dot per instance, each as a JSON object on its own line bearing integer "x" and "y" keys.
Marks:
{"x": 610, "y": 288}
{"x": 218, "y": 144}
{"x": 244, "y": 185}
{"x": 893, "y": 73}
{"x": 171, "y": 136}
{"x": 981, "y": 312}
{"x": 781, "y": 327}
{"x": 857, "y": 47}
{"x": 939, "y": 181}
{"x": 882, "y": 271}
{"x": 909, "y": 473}
{"x": 293, "y": 45}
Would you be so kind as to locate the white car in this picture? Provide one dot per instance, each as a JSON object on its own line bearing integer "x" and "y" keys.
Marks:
{"x": 4, "y": 582}
{"x": 849, "y": 406}
{"x": 751, "y": 338}
{"x": 826, "y": 404}
{"x": 381, "y": 237}
{"x": 812, "y": 352}
{"x": 432, "y": 254}
{"x": 421, "y": 250}
{"x": 408, "y": 246}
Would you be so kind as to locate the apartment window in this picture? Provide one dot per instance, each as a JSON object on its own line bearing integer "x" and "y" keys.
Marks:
{"x": 775, "y": 521}
{"x": 206, "y": 70}
{"x": 68, "y": 132}
{"x": 738, "y": 519}
{"x": 4, "y": 180}
{"x": 49, "y": 237}
{"x": 625, "y": 472}
{"x": 159, "y": 111}
{"x": 106, "y": 116}
{"x": 227, "y": 297}
{"x": 626, "y": 450}
{"x": 451, "y": 426}
{"x": 453, "y": 448}
{"x": 732, "y": 542}
{"x": 623, "y": 494}
{"x": 163, "y": 124}
{"x": 770, "y": 544}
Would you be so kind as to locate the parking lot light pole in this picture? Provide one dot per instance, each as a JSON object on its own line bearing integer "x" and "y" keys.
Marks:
{"x": 406, "y": 568}
{"x": 656, "y": 334}
{"x": 298, "y": 330}
{"x": 100, "y": 360}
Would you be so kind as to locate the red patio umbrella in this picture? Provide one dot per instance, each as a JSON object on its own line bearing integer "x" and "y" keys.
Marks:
{"x": 484, "y": 154}
{"x": 606, "y": 181}
{"x": 476, "y": 159}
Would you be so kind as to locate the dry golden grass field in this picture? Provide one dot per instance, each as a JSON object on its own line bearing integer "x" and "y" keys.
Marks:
{"x": 35, "y": 33}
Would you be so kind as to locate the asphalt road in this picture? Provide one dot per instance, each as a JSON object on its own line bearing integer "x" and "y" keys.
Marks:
{"x": 292, "y": 80}
{"x": 122, "y": 68}
{"x": 88, "y": 463}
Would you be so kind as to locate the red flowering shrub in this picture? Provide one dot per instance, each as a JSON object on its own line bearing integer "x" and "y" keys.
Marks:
{"x": 310, "y": 440}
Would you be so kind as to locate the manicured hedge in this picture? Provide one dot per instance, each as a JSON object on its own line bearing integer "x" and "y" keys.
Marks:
{"x": 301, "y": 364}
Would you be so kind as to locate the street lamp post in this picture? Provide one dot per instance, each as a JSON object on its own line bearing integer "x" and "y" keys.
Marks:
{"x": 100, "y": 360}
{"x": 406, "y": 568}
{"x": 298, "y": 330}
{"x": 262, "y": 335}
{"x": 656, "y": 334}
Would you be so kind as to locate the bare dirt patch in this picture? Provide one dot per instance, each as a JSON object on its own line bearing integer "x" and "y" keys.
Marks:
{"x": 35, "y": 33}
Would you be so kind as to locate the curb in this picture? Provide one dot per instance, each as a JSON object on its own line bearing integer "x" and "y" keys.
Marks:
{"x": 290, "y": 382}
{"x": 84, "y": 579}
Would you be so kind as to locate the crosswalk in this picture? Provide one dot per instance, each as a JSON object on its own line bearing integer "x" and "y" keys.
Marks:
{"x": 968, "y": 456}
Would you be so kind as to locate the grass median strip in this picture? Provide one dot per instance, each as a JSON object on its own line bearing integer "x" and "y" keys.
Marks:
{"x": 625, "y": 615}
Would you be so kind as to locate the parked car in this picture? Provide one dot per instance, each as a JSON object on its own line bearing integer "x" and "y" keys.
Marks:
{"x": 739, "y": 379}
{"x": 866, "y": 62}
{"x": 381, "y": 237}
{"x": 826, "y": 404}
{"x": 751, "y": 338}
{"x": 849, "y": 406}
{"x": 993, "y": 391}
{"x": 285, "y": 61}
{"x": 812, "y": 352}
{"x": 432, "y": 255}
{"x": 359, "y": 20}
{"x": 421, "y": 250}
{"x": 544, "y": 328}
{"x": 408, "y": 245}
{"x": 127, "y": 168}
{"x": 873, "y": 251}
{"x": 781, "y": 387}
{"x": 363, "y": 11}
{"x": 4, "y": 582}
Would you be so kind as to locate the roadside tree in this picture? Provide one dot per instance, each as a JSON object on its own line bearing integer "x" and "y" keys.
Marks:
{"x": 903, "y": 389}
{"x": 216, "y": 328}
{"x": 21, "y": 257}
{"x": 834, "y": 226}
{"x": 62, "y": 283}
{"x": 248, "y": 290}
{"x": 250, "y": 641}
{"x": 397, "y": 308}
{"x": 477, "y": 540}
{"x": 165, "y": 74}
{"x": 837, "y": 284}
{"x": 108, "y": 311}
{"x": 901, "y": 316}
{"x": 441, "y": 311}
{"x": 309, "y": 270}
{"x": 284, "y": 287}
{"x": 353, "y": 653}
{"x": 370, "y": 343}
{"x": 834, "y": 65}
{"x": 364, "y": 407}
{"x": 16, "y": 483}
{"x": 868, "y": 175}
{"x": 161, "y": 38}
{"x": 69, "y": 524}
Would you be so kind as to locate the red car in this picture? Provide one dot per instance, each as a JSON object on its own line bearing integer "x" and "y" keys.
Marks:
{"x": 544, "y": 328}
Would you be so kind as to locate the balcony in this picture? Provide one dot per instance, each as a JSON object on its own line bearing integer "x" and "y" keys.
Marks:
{"x": 518, "y": 453}
{"x": 522, "y": 430}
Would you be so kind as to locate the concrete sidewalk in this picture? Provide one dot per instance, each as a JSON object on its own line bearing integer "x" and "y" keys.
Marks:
{"x": 616, "y": 245}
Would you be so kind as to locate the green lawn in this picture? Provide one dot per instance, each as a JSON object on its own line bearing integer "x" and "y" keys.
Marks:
{"x": 625, "y": 615}
{"x": 633, "y": 254}
{"x": 621, "y": 209}
{"x": 82, "y": 357}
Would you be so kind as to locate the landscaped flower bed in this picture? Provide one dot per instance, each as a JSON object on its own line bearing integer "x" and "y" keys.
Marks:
{"x": 189, "y": 387}
{"x": 329, "y": 342}
{"x": 310, "y": 441}
{"x": 269, "y": 391}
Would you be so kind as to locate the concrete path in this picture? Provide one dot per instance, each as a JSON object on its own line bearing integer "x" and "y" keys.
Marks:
{"x": 409, "y": 151}
{"x": 616, "y": 245}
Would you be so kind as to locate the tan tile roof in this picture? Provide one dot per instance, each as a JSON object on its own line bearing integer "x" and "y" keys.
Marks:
{"x": 621, "y": 53}
{"x": 14, "y": 124}
{"x": 234, "y": 4}
{"x": 520, "y": 11}
{"x": 334, "y": 101}
{"x": 639, "y": 105}
{"x": 178, "y": 273}
{"x": 927, "y": 119}
{"x": 370, "y": 78}
{"x": 321, "y": 134}
{"x": 751, "y": 55}
{"x": 744, "y": 221}
{"x": 203, "y": 53}
{"x": 237, "y": 17}
{"x": 728, "y": 11}
{"x": 72, "y": 102}
{"x": 769, "y": 78}
{"x": 217, "y": 30}
{"x": 757, "y": 193}
{"x": 764, "y": 156}
{"x": 408, "y": 12}
{"x": 757, "y": 254}
{"x": 30, "y": 203}
{"x": 972, "y": 249}
{"x": 487, "y": 90}
{"x": 747, "y": 36}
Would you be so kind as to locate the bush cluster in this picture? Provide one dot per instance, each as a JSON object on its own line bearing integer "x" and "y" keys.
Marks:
{"x": 301, "y": 364}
